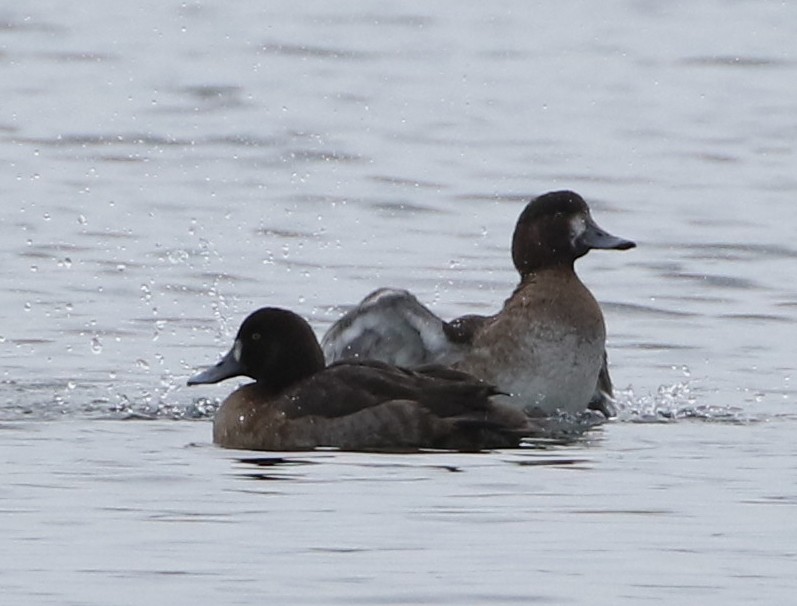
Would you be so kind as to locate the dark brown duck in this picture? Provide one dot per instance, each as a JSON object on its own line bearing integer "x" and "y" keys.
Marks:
{"x": 296, "y": 403}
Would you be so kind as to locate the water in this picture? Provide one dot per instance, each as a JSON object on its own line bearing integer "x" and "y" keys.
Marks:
{"x": 172, "y": 166}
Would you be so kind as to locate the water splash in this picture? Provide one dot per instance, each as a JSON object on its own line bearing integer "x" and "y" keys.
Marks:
{"x": 565, "y": 429}
{"x": 673, "y": 403}
{"x": 156, "y": 406}
{"x": 160, "y": 403}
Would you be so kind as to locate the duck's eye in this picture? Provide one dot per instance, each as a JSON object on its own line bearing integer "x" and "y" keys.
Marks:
{"x": 255, "y": 336}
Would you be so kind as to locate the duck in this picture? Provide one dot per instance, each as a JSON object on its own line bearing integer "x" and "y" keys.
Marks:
{"x": 297, "y": 402}
{"x": 546, "y": 348}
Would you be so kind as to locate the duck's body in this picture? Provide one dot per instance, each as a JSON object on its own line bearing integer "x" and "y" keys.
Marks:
{"x": 546, "y": 347}
{"x": 298, "y": 404}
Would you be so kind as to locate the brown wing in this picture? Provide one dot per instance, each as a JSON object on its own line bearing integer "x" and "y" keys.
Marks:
{"x": 348, "y": 387}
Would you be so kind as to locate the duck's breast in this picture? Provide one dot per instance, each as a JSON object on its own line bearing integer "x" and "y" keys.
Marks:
{"x": 247, "y": 421}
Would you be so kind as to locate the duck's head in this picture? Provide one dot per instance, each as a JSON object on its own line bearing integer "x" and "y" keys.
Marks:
{"x": 275, "y": 347}
{"x": 556, "y": 229}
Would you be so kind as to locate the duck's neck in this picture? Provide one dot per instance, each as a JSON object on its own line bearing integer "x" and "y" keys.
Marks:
{"x": 563, "y": 269}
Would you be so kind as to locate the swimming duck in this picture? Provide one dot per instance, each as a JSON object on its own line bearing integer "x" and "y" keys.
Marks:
{"x": 298, "y": 403}
{"x": 546, "y": 347}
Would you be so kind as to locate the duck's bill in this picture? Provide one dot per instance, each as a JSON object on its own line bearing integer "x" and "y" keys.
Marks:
{"x": 227, "y": 367}
{"x": 595, "y": 237}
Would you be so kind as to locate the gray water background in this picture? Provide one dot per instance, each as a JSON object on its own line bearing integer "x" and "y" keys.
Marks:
{"x": 169, "y": 167}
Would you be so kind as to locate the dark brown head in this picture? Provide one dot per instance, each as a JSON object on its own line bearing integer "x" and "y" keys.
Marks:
{"x": 275, "y": 347}
{"x": 556, "y": 229}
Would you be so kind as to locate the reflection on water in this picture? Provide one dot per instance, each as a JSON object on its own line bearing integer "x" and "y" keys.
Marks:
{"x": 169, "y": 176}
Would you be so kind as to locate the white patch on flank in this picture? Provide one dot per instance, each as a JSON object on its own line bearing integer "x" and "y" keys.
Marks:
{"x": 565, "y": 371}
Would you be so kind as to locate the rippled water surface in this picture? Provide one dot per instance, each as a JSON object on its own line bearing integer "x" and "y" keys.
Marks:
{"x": 172, "y": 166}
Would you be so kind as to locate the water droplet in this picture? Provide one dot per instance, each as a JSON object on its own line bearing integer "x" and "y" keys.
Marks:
{"x": 177, "y": 256}
{"x": 82, "y": 219}
{"x": 96, "y": 345}
{"x": 143, "y": 364}
{"x": 70, "y": 385}
{"x": 34, "y": 268}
